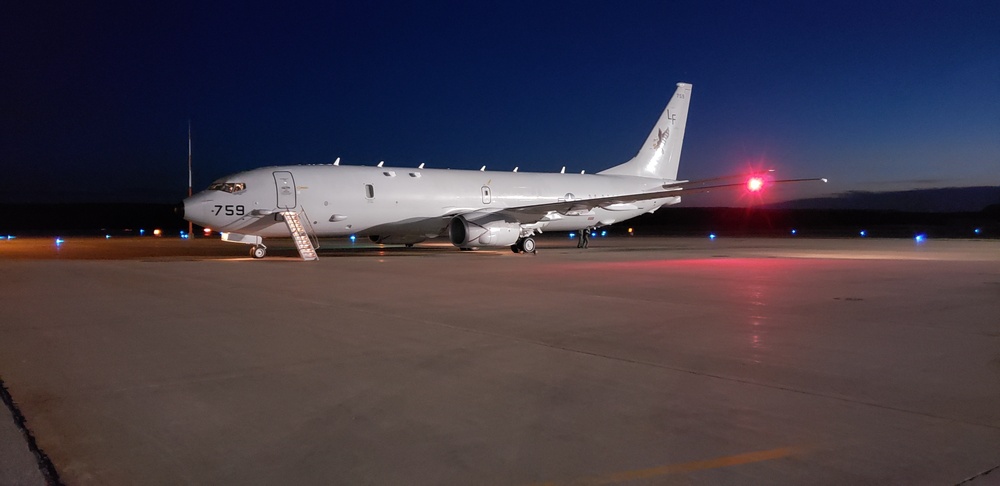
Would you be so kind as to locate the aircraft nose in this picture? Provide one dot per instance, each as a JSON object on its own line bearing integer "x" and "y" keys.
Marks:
{"x": 195, "y": 209}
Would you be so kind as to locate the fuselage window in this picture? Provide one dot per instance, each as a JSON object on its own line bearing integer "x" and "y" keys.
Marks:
{"x": 369, "y": 191}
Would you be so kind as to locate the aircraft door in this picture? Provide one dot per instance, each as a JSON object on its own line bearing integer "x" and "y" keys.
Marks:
{"x": 285, "y": 186}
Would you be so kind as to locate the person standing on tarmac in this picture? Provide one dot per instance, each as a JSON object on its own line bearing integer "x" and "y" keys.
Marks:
{"x": 584, "y": 237}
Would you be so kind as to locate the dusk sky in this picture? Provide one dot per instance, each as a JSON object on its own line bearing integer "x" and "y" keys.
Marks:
{"x": 873, "y": 95}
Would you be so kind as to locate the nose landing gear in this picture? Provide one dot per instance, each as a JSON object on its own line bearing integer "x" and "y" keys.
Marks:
{"x": 258, "y": 251}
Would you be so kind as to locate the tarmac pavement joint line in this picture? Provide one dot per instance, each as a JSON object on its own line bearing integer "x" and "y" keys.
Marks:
{"x": 979, "y": 476}
{"x": 681, "y": 468}
{"x": 44, "y": 463}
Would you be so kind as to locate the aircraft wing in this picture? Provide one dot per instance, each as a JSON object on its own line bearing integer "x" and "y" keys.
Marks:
{"x": 534, "y": 213}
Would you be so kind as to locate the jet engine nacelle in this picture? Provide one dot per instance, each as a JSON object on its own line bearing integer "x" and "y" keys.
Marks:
{"x": 468, "y": 231}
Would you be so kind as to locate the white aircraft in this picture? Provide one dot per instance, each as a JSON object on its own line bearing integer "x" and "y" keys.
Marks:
{"x": 472, "y": 208}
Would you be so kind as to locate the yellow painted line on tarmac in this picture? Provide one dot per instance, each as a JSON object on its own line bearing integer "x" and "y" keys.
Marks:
{"x": 684, "y": 467}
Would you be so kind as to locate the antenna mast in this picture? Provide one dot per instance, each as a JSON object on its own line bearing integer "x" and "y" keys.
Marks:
{"x": 190, "y": 192}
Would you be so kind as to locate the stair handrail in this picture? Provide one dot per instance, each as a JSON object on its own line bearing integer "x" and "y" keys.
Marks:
{"x": 308, "y": 234}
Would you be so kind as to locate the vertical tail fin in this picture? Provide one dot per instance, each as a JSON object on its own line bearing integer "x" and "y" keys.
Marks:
{"x": 660, "y": 156}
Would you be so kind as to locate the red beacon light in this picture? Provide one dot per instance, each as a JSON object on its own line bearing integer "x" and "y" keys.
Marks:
{"x": 755, "y": 184}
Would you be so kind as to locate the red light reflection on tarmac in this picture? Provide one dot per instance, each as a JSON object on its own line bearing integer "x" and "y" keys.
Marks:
{"x": 758, "y": 264}
{"x": 755, "y": 292}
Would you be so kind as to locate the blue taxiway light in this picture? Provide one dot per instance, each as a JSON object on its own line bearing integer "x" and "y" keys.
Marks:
{"x": 142, "y": 232}
{"x": 604, "y": 233}
{"x": 920, "y": 238}
{"x": 711, "y": 236}
{"x": 572, "y": 235}
{"x": 863, "y": 233}
{"x": 978, "y": 231}
{"x": 107, "y": 237}
{"x": 794, "y": 232}
{"x": 353, "y": 238}
{"x": 59, "y": 241}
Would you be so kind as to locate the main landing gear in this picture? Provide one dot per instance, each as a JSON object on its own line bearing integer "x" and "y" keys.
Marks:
{"x": 258, "y": 251}
{"x": 524, "y": 245}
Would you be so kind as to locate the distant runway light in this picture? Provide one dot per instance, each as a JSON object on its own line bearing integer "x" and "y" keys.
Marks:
{"x": 920, "y": 238}
{"x": 107, "y": 237}
{"x": 353, "y": 238}
{"x": 794, "y": 232}
{"x": 863, "y": 233}
{"x": 59, "y": 241}
{"x": 142, "y": 232}
{"x": 157, "y": 232}
{"x": 755, "y": 184}
{"x": 572, "y": 235}
{"x": 604, "y": 233}
{"x": 711, "y": 236}
{"x": 208, "y": 231}
{"x": 977, "y": 231}
{"x": 11, "y": 237}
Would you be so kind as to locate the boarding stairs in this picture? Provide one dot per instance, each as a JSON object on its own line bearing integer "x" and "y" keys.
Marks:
{"x": 302, "y": 241}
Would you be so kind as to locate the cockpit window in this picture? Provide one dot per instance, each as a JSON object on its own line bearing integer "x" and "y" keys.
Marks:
{"x": 230, "y": 187}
